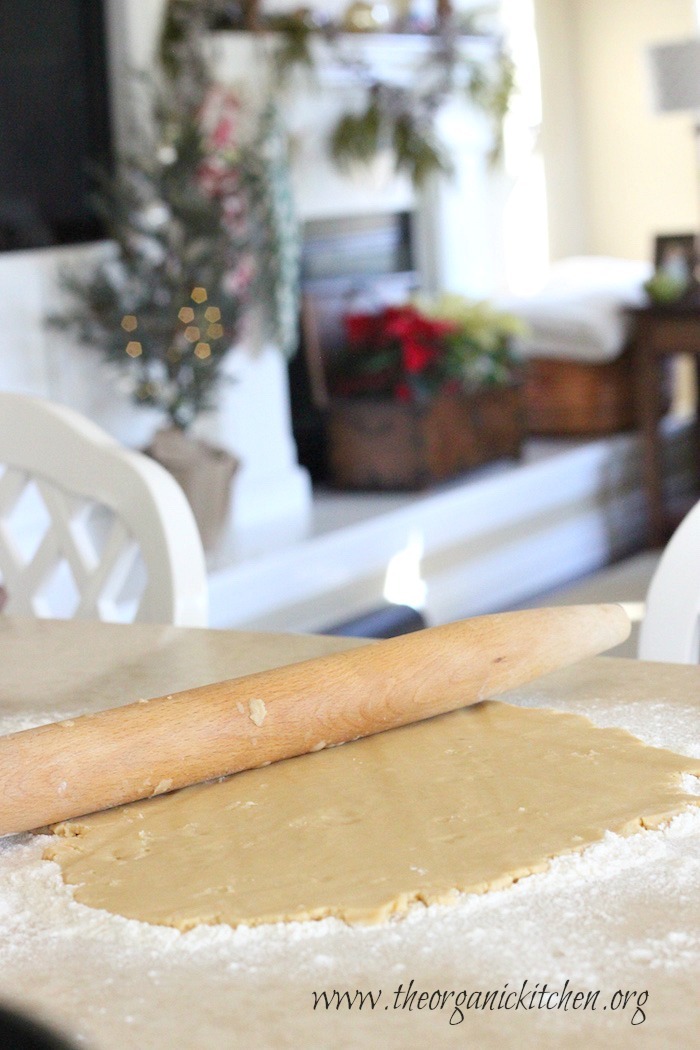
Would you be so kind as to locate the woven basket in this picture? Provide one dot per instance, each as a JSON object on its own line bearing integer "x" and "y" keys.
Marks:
{"x": 377, "y": 444}
{"x": 578, "y": 399}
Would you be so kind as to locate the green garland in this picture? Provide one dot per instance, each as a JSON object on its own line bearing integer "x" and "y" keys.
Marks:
{"x": 405, "y": 117}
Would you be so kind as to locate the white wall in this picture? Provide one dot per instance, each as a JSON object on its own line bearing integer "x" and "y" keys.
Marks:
{"x": 560, "y": 140}
{"x": 617, "y": 173}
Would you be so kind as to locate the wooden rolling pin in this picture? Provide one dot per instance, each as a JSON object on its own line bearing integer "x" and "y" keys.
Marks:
{"x": 149, "y": 747}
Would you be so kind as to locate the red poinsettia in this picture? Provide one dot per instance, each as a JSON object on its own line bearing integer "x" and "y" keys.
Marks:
{"x": 362, "y": 329}
{"x": 397, "y": 352}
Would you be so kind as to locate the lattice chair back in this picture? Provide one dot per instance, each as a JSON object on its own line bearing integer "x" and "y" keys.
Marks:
{"x": 670, "y": 630}
{"x": 89, "y": 529}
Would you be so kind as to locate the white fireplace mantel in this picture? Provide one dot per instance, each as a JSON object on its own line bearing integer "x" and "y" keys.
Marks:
{"x": 457, "y": 217}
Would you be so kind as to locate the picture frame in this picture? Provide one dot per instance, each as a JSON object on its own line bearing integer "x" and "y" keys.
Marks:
{"x": 677, "y": 255}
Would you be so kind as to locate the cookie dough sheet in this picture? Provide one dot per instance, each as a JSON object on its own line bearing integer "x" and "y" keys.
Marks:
{"x": 470, "y": 801}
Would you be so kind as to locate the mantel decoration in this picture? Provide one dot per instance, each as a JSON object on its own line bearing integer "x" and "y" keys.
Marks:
{"x": 393, "y": 115}
{"x": 423, "y": 391}
{"x": 202, "y": 226}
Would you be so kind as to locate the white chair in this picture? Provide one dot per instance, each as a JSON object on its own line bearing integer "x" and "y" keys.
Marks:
{"x": 670, "y": 629}
{"x": 89, "y": 529}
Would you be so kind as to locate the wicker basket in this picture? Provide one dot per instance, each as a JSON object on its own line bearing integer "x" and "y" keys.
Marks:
{"x": 377, "y": 444}
{"x": 578, "y": 399}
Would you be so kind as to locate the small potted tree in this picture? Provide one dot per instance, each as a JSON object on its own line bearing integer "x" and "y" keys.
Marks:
{"x": 166, "y": 302}
{"x": 193, "y": 216}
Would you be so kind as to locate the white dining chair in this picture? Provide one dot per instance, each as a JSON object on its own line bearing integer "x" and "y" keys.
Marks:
{"x": 670, "y": 629}
{"x": 90, "y": 529}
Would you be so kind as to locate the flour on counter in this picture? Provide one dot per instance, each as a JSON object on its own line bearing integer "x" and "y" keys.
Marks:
{"x": 540, "y": 928}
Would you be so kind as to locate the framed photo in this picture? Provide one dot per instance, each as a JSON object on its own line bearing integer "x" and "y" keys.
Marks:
{"x": 676, "y": 255}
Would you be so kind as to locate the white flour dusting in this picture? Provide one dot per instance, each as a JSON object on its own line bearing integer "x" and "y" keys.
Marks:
{"x": 113, "y": 982}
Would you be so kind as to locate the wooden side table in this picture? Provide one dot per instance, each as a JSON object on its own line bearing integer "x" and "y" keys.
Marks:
{"x": 658, "y": 332}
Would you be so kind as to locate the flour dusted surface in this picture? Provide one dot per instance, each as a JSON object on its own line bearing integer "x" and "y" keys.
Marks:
{"x": 599, "y": 920}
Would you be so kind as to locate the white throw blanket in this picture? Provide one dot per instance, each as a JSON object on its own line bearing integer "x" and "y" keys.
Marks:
{"x": 578, "y": 314}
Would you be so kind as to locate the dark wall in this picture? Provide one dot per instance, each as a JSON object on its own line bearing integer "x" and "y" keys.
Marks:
{"x": 54, "y": 120}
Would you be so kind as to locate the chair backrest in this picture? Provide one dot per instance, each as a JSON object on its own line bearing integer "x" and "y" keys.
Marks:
{"x": 670, "y": 630}
{"x": 89, "y": 529}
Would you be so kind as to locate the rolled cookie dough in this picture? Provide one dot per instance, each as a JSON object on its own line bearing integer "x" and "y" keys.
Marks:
{"x": 470, "y": 801}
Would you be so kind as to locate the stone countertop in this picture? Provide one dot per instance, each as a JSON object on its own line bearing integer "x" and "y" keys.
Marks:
{"x": 622, "y": 917}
